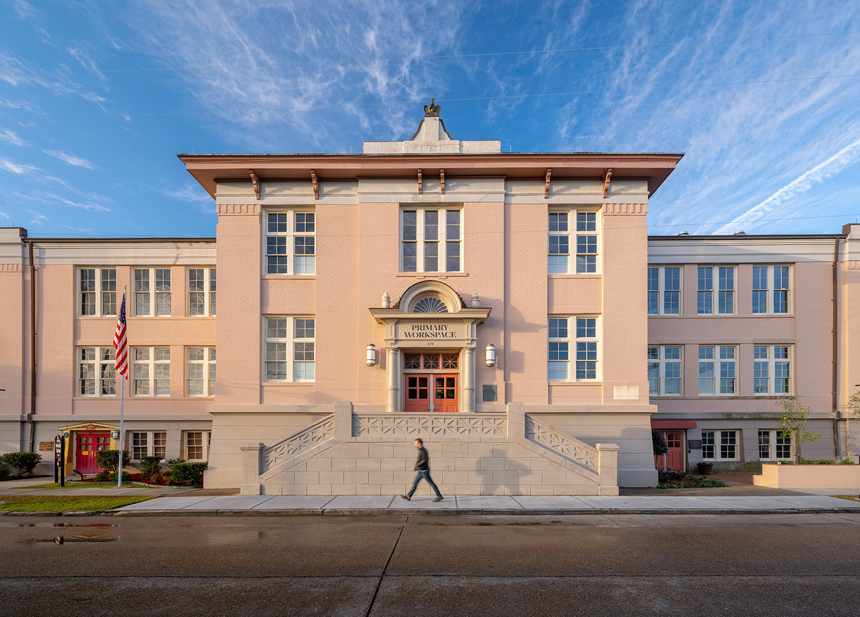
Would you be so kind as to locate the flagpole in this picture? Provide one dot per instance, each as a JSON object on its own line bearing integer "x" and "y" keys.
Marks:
{"x": 121, "y": 412}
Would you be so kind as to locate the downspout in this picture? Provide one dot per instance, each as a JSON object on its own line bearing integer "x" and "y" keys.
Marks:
{"x": 32, "y": 347}
{"x": 834, "y": 371}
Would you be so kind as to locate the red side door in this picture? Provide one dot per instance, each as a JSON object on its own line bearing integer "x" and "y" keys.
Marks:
{"x": 673, "y": 460}
{"x": 86, "y": 446}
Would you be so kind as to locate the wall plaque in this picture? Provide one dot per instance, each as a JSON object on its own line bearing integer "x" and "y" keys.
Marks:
{"x": 491, "y": 393}
{"x": 694, "y": 444}
{"x": 46, "y": 446}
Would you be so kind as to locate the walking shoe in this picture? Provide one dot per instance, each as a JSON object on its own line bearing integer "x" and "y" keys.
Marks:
{"x": 404, "y": 497}
{"x": 439, "y": 499}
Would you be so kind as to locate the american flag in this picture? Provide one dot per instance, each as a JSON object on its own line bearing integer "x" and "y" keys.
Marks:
{"x": 120, "y": 343}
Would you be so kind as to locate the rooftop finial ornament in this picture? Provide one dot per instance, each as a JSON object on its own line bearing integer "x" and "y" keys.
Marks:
{"x": 431, "y": 110}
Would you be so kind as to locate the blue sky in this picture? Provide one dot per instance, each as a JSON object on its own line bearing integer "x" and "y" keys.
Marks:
{"x": 97, "y": 98}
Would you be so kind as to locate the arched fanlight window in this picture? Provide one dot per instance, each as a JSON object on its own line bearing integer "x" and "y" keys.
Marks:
{"x": 430, "y": 304}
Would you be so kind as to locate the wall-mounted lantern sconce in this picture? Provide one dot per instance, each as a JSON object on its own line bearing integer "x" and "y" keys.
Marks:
{"x": 371, "y": 355}
{"x": 114, "y": 434}
{"x": 491, "y": 355}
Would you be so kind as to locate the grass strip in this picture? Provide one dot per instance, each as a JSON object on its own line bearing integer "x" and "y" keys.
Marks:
{"x": 72, "y": 484}
{"x": 62, "y": 503}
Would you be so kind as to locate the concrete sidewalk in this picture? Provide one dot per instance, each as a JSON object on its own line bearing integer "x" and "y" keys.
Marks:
{"x": 346, "y": 504}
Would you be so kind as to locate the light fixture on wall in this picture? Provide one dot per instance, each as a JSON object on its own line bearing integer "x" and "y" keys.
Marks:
{"x": 491, "y": 355}
{"x": 371, "y": 355}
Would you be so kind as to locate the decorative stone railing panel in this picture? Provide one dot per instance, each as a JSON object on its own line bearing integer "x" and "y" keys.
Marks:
{"x": 564, "y": 445}
{"x": 426, "y": 425}
{"x": 295, "y": 444}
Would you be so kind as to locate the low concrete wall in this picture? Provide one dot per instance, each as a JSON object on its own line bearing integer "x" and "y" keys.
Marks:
{"x": 809, "y": 476}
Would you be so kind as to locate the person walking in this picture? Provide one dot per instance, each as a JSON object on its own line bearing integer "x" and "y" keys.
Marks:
{"x": 422, "y": 466}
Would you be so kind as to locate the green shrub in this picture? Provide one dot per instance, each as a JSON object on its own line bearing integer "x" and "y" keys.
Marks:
{"x": 4, "y": 472}
{"x": 847, "y": 461}
{"x": 126, "y": 476}
{"x": 659, "y": 443}
{"x": 680, "y": 479}
{"x": 149, "y": 466}
{"x": 174, "y": 461}
{"x": 102, "y": 476}
{"x": 108, "y": 459}
{"x": 22, "y": 462}
{"x": 187, "y": 473}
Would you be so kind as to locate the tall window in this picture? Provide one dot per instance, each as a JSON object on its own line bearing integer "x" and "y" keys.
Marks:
{"x": 96, "y": 372}
{"x": 717, "y": 370}
{"x": 148, "y": 443}
{"x": 584, "y": 241}
{"x": 664, "y": 290}
{"x": 291, "y": 243}
{"x": 290, "y": 353}
{"x": 580, "y": 332}
{"x": 664, "y": 370}
{"x": 97, "y": 291}
{"x": 719, "y": 298}
{"x": 774, "y": 445}
{"x": 151, "y": 292}
{"x": 151, "y": 371}
{"x": 201, "y": 292}
{"x": 772, "y": 370}
{"x": 195, "y": 445}
{"x": 770, "y": 290}
{"x": 720, "y": 445}
{"x": 430, "y": 240}
{"x": 200, "y": 371}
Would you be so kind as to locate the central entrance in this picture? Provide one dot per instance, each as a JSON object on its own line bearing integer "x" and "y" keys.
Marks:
{"x": 431, "y": 383}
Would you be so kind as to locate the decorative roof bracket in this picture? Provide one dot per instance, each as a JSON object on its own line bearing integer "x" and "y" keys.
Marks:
{"x": 546, "y": 184}
{"x": 316, "y": 184}
{"x": 606, "y": 182}
{"x": 420, "y": 184}
{"x": 442, "y": 178}
{"x": 256, "y": 182}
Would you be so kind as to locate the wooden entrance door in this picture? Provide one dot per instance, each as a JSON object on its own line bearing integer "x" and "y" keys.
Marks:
{"x": 86, "y": 446}
{"x": 417, "y": 393}
{"x": 445, "y": 393}
{"x": 673, "y": 460}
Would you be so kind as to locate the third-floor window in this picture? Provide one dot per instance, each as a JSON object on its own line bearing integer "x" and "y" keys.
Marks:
{"x": 770, "y": 290}
{"x": 431, "y": 240}
{"x": 291, "y": 243}
{"x": 573, "y": 240}
{"x": 664, "y": 290}
{"x": 97, "y": 291}
{"x": 151, "y": 292}
{"x": 716, "y": 290}
{"x": 201, "y": 292}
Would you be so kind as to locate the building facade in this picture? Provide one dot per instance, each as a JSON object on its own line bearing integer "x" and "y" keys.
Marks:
{"x": 508, "y": 308}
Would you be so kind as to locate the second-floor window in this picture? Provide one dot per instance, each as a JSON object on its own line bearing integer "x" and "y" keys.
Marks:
{"x": 582, "y": 334}
{"x": 96, "y": 371}
{"x": 151, "y": 292}
{"x": 291, "y": 243}
{"x": 97, "y": 291}
{"x": 717, "y": 370}
{"x": 200, "y": 371}
{"x": 664, "y": 370}
{"x": 574, "y": 235}
{"x": 771, "y": 370}
{"x": 664, "y": 290}
{"x": 431, "y": 240}
{"x": 770, "y": 290}
{"x": 150, "y": 368}
{"x": 290, "y": 349}
{"x": 201, "y": 292}
{"x": 716, "y": 290}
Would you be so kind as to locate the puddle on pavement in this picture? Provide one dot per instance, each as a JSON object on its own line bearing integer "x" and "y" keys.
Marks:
{"x": 63, "y": 525}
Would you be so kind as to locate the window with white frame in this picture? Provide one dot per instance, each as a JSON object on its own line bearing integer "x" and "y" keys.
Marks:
{"x": 720, "y": 445}
{"x": 201, "y": 292}
{"x": 291, "y": 242}
{"x": 200, "y": 371}
{"x": 96, "y": 371}
{"x": 289, "y": 349}
{"x": 195, "y": 445}
{"x": 148, "y": 443}
{"x": 581, "y": 333}
{"x": 771, "y": 290}
{"x": 664, "y": 290}
{"x": 717, "y": 370}
{"x": 716, "y": 290}
{"x": 664, "y": 370}
{"x": 431, "y": 240}
{"x": 577, "y": 228}
{"x": 97, "y": 292}
{"x": 150, "y": 368}
{"x": 774, "y": 445}
{"x": 151, "y": 292}
{"x": 771, "y": 370}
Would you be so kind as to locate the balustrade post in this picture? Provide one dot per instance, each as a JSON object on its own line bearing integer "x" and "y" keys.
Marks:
{"x": 251, "y": 469}
{"x": 392, "y": 373}
{"x": 343, "y": 421}
{"x": 468, "y": 376}
{"x": 607, "y": 468}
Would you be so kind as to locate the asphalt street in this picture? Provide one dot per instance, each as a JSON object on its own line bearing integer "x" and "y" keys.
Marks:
{"x": 792, "y": 564}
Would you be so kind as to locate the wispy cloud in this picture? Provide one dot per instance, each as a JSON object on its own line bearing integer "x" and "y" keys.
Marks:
{"x": 19, "y": 169}
{"x": 47, "y": 197}
{"x": 71, "y": 159}
{"x": 190, "y": 193}
{"x": 8, "y": 136}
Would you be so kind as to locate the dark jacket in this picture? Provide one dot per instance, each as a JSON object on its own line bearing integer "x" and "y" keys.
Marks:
{"x": 423, "y": 462}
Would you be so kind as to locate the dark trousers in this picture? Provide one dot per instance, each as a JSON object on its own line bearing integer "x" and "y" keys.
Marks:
{"x": 426, "y": 476}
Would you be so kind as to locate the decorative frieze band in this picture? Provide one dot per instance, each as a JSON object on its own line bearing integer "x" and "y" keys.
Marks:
{"x": 228, "y": 209}
{"x": 638, "y": 209}
{"x": 453, "y": 425}
{"x": 10, "y": 268}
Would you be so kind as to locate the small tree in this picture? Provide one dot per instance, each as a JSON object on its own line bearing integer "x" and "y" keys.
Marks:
{"x": 793, "y": 422}
{"x": 659, "y": 443}
{"x": 109, "y": 459}
{"x": 854, "y": 406}
{"x": 22, "y": 462}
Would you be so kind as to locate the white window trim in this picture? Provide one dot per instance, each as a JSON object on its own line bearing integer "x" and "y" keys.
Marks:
{"x": 718, "y": 362}
{"x": 442, "y": 238}
{"x": 209, "y": 294}
{"x": 572, "y": 339}
{"x": 718, "y": 442}
{"x": 206, "y": 363}
{"x": 789, "y": 304}
{"x": 715, "y": 290}
{"x": 572, "y": 235}
{"x": 99, "y": 292}
{"x": 98, "y": 365}
{"x": 290, "y": 236}
{"x": 152, "y": 293}
{"x": 152, "y": 362}
{"x": 774, "y": 435}
{"x": 290, "y": 340}
{"x": 661, "y": 291}
{"x": 662, "y": 361}
{"x": 207, "y": 440}
{"x": 771, "y": 368}
{"x": 150, "y": 443}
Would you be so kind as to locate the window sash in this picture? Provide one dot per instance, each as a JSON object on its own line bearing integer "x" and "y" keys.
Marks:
{"x": 664, "y": 290}
{"x": 196, "y": 445}
{"x": 665, "y": 370}
{"x": 97, "y": 292}
{"x": 431, "y": 239}
{"x": 771, "y": 290}
{"x": 150, "y": 371}
{"x": 720, "y": 445}
{"x": 201, "y": 292}
{"x": 290, "y": 243}
{"x": 289, "y": 349}
{"x": 772, "y": 370}
{"x": 200, "y": 371}
{"x": 96, "y": 376}
{"x": 715, "y": 290}
{"x": 774, "y": 445}
{"x": 147, "y": 443}
{"x": 577, "y": 336}
{"x": 717, "y": 370}
{"x": 573, "y": 233}
{"x": 151, "y": 290}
